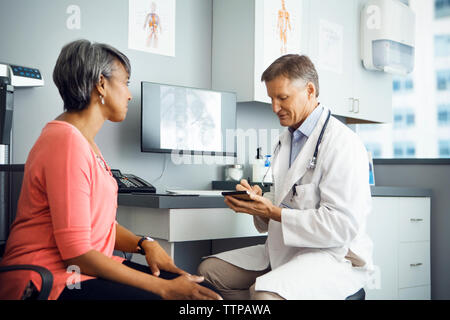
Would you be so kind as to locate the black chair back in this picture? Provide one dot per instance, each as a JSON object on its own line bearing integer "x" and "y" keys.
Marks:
{"x": 11, "y": 177}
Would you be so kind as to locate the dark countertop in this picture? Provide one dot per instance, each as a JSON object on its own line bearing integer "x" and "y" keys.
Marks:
{"x": 400, "y": 192}
{"x": 187, "y": 202}
{"x": 170, "y": 201}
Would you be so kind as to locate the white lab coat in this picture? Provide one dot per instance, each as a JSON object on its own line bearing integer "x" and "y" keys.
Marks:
{"x": 312, "y": 250}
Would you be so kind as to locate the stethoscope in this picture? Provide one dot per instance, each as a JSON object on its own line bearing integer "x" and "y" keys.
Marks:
{"x": 313, "y": 162}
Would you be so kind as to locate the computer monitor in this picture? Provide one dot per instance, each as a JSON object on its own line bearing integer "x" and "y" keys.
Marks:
{"x": 188, "y": 120}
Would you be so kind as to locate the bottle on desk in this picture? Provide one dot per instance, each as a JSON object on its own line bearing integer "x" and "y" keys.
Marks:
{"x": 268, "y": 169}
{"x": 262, "y": 172}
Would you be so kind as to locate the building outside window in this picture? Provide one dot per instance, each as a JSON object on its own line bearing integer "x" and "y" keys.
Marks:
{"x": 420, "y": 126}
{"x": 404, "y": 118}
{"x": 444, "y": 148}
{"x": 442, "y": 45}
{"x": 396, "y": 85}
{"x": 443, "y": 80}
{"x": 442, "y": 8}
{"x": 404, "y": 149}
{"x": 444, "y": 115}
{"x": 402, "y": 84}
{"x": 375, "y": 149}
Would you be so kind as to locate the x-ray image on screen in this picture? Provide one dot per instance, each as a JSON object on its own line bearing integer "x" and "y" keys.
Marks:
{"x": 190, "y": 119}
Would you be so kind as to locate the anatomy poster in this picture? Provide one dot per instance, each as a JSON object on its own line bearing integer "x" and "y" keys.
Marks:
{"x": 331, "y": 46}
{"x": 151, "y": 26}
{"x": 282, "y": 28}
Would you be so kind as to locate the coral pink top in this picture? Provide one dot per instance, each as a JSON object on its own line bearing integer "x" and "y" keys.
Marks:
{"x": 67, "y": 207}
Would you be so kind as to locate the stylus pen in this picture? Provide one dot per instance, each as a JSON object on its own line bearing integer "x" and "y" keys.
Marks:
{"x": 285, "y": 206}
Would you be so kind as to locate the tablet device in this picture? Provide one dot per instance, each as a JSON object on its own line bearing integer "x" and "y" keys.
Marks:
{"x": 241, "y": 195}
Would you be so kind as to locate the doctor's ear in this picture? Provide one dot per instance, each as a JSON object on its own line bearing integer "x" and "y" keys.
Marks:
{"x": 311, "y": 88}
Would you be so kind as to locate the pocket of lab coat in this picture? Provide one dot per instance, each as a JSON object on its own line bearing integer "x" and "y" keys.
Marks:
{"x": 307, "y": 197}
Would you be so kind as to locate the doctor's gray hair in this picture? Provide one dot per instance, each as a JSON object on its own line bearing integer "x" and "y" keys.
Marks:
{"x": 294, "y": 67}
{"x": 78, "y": 70}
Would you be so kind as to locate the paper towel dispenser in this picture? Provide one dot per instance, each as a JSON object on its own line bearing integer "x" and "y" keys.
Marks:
{"x": 388, "y": 36}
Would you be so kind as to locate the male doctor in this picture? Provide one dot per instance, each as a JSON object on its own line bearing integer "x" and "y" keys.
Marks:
{"x": 316, "y": 212}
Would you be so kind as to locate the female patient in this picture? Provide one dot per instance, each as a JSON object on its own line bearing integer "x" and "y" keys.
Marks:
{"x": 67, "y": 207}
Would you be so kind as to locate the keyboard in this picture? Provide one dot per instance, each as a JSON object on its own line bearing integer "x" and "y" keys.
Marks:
{"x": 212, "y": 193}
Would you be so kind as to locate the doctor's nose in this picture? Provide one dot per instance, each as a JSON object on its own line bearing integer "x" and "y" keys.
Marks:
{"x": 276, "y": 107}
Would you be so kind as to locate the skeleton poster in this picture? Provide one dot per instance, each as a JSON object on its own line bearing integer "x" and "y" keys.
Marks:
{"x": 151, "y": 26}
{"x": 282, "y": 28}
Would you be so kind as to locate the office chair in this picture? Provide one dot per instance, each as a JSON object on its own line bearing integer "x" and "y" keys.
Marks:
{"x": 11, "y": 177}
{"x": 11, "y": 184}
{"x": 46, "y": 276}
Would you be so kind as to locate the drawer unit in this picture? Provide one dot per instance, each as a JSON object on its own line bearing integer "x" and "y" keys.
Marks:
{"x": 415, "y": 293}
{"x": 414, "y": 219}
{"x": 414, "y": 264}
{"x": 400, "y": 230}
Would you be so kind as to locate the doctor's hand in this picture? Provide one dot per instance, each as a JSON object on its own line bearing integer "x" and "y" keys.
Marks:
{"x": 158, "y": 259}
{"x": 259, "y": 206}
{"x": 244, "y": 185}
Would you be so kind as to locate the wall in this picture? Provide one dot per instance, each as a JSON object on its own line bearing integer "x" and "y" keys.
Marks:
{"x": 436, "y": 178}
{"x": 32, "y": 33}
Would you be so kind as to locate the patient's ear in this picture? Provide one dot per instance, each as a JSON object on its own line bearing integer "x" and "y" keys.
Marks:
{"x": 100, "y": 85}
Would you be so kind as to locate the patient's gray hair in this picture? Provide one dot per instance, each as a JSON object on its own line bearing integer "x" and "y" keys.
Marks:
{"x": 78, "y": 70}
{"x": 294, "y": 67}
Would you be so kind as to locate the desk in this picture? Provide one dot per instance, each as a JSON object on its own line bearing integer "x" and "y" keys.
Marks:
{"x": 188, "y": 228}
{"x": 191, "y": 227}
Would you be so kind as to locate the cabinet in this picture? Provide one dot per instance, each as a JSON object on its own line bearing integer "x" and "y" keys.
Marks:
{"x": 372, "y": 89}
{"x": 238, "y": 57}
{"x": 400, "y": 230}
{"x": 346, "y": 88}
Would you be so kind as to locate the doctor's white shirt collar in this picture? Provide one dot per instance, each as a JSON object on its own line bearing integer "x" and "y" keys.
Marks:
{"x": 307, "y": 127}
{"x": 301, "y": 135}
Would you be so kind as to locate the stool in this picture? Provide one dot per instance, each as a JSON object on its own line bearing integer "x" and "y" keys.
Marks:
{"x": 360, "y": 295}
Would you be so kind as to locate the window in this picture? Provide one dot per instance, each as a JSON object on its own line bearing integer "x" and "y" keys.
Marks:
{"x": 374, "y": 148}
{"x": 398, "y": 119}
{"x": 396, "y": 85}
{"x": 409, "y": 84}
{"x": 444, "y": 115}
{"x": 402, "y": 84}
{"x": 410, "y": 151}
{"x": 443, "y": 80}
{"x": 404, "y": 118}
{"x": 442, "y": 45}
{"x": 420, "y": 126}
{"x": 404, "y": 149}
{"x": 444, "y": 148}
{"x": 442, "y": 8}
{"x": 410, "y": 120}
